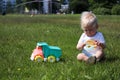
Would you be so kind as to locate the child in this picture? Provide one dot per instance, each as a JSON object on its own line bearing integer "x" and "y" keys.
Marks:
{"x": 90, "y": 36}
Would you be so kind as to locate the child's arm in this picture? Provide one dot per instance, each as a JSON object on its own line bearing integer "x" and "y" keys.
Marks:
{"x": 80, "y": 46}
{"x": 81, "y": 43}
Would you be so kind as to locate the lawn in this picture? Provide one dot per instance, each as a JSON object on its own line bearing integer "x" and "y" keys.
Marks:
{"x": 20, "y": 33}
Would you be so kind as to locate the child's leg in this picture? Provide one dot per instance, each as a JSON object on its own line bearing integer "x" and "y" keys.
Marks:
{"x": 81, "y": 57}
{"x": 99, "y": 54}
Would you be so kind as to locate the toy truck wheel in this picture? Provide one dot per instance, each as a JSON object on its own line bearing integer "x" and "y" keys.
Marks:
{"x": 38, "y": 58}
{"x": 51, "y": 59}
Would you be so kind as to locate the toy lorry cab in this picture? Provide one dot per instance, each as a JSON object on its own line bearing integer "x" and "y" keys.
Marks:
{"x": 44, "y": 52}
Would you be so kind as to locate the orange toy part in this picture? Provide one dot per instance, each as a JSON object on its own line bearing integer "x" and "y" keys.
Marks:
{"x": 38, "y": 52}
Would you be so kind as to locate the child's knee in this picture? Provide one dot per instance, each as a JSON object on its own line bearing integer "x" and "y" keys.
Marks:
{"x": 80, "y": 57}
{"x": 99, "y": 54}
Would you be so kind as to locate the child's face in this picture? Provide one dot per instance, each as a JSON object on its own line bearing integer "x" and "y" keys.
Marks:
{"x": 90, "y": 31}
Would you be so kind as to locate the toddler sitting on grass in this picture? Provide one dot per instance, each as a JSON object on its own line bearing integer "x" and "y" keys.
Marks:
{"x": 91, "y": 41}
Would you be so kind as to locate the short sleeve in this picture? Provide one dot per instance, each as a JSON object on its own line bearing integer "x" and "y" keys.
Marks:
{"x": 81, "y": 40}
{"x": 101, "y": 38}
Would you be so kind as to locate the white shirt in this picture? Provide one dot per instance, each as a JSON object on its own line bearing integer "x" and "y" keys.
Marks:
{"x": 97, "y": 37}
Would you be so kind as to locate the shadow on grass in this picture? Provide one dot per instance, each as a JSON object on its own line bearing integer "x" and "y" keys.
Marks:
{"x": 110, "y": 59}
{"x": 62, "y": 60}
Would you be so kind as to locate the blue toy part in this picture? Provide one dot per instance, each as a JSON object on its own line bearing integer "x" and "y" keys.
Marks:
{"x": 55, "y": 51}
{"x": 42, "y": 44}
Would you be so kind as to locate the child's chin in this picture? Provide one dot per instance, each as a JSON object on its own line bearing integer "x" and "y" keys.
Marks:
{"x": 89, "y": 35}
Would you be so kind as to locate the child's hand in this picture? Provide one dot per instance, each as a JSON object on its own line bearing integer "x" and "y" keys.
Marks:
{"x": 83, "y": 45}
{"x": 99, "y": 44}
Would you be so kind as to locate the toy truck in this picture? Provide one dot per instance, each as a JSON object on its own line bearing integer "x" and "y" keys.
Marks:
{"x": 44, "y": 52}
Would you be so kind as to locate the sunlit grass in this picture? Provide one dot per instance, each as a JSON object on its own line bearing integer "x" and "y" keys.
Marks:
{"x": 19, "y": 35}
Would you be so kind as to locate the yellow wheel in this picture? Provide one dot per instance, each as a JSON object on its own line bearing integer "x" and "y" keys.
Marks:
{"x": 38, "y": 58}
{"x": 51, "y": 59}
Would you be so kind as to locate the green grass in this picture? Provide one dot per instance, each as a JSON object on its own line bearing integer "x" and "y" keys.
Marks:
{"x": 20, "y": 33}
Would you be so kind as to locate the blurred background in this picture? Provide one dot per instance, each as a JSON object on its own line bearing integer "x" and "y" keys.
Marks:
{"x": 100, "y": 7}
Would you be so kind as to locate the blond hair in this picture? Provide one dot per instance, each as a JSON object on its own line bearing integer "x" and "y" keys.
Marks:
{"x": 88, "y": 19}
